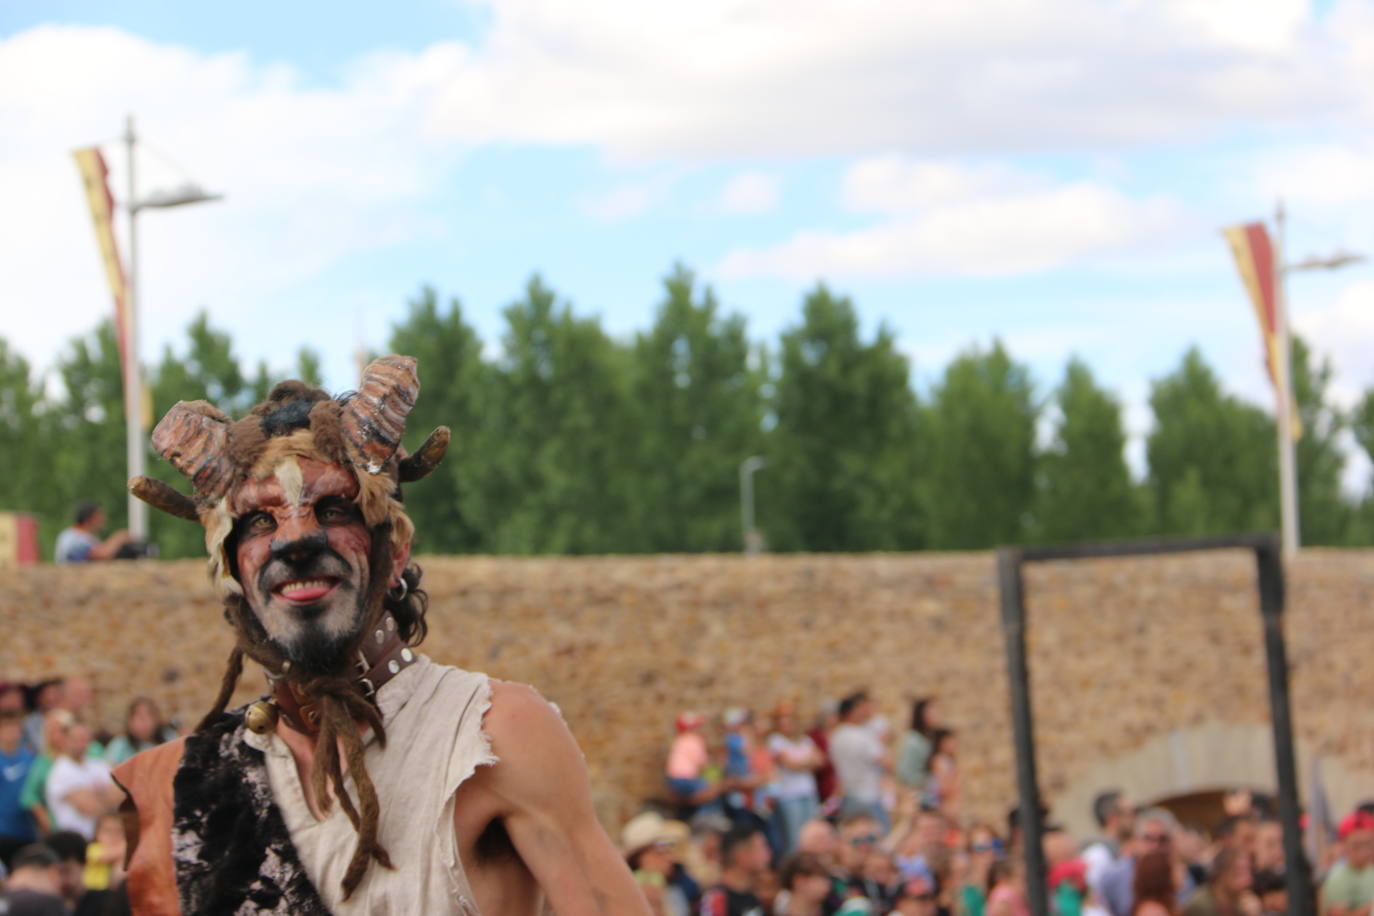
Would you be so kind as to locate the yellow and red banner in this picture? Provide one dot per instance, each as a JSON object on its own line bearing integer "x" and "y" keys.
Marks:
{"x": 95, "y": 179}
{"x": 1254, "y": 254}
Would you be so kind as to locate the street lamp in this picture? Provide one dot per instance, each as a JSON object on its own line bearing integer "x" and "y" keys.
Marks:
{"x": 1288, "y": 484}
{"x": 753, "y": 543}
{"x": 137, "y": 449}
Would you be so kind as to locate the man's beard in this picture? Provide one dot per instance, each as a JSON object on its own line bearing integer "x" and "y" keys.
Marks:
{"x": 315, "y": 651}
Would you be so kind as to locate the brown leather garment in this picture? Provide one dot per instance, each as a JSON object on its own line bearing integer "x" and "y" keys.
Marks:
{"x": 147, "y": 779}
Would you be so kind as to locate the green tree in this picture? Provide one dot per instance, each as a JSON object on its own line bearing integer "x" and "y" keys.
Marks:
{"x": 978, "y": 469}
{"x": 453, "y": 393}
{"x": 698, "y": 410}
{"x": 842, "y": 452}
{"x": 1324, "y": 516}
{"x": 560, "y": 434}
{"x": 1085, "y": 487}
{"x": 1211, "y": 456}
{"x": 308, "y": 366}
{"x": 24, "y": 439}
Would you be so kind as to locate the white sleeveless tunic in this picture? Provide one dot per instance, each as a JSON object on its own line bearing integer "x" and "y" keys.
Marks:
{"x": 434, "y": 741}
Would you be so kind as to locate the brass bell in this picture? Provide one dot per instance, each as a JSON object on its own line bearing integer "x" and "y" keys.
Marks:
{"x": 261, "y": 717}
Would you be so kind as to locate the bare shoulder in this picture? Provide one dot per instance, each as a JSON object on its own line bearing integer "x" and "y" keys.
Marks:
{"x": 535, "y": 749}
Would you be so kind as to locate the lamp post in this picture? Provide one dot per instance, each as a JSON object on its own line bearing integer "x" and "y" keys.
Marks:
{"x": 752, "y": 541}
{"x": 137, "y": 450}
{"x": 1288, "y": 483}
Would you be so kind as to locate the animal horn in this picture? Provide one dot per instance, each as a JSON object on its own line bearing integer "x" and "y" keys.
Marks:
{"x": 162, "y": 496}
{"x": 194, "y": 437}
{"x": 427, "y": 457}
{"x": 374, "y": 419}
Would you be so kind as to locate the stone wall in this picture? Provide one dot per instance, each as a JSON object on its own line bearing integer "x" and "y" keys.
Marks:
{"x": 1122, "y": 651}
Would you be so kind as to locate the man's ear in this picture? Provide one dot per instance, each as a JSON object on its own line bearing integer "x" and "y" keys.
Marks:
{"x": 399, "y": 559}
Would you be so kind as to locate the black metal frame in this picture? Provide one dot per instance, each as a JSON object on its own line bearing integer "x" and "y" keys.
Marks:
{"x": 1270, "y": 583}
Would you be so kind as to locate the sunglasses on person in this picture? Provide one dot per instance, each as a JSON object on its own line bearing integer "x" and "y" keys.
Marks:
{"x": 1157, "y": 838}
{"x": 990, "y": 846}
{"x": 864, "y": 839}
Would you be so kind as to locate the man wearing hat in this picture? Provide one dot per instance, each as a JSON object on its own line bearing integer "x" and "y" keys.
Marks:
{"x": 370, "y": 779}
{"x": 1349, "y": 888}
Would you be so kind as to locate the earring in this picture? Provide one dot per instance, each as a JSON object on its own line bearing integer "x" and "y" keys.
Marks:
{"x": 398, "y": 591}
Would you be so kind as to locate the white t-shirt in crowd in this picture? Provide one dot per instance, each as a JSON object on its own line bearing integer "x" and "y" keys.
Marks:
{"x": 792, "y": 783}
{"x": 856, "y": 751}
{"x": 67, "y": 775}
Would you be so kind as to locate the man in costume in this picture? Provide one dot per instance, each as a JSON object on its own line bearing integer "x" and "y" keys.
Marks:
{"x": 371, "y": 780}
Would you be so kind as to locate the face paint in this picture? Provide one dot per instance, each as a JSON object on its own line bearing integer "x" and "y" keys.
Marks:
{"x": 302, "y": 552}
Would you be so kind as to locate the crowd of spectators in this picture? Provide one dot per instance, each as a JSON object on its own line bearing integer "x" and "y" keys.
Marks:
{"x": 62, "y": 842}
{"x": 765, "y": 818}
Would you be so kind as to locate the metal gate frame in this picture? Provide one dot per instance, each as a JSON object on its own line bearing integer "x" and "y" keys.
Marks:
{"x": 1269, "y": 582}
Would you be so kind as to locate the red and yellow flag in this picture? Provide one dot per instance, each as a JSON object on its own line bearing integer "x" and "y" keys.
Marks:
{"x": 1254, "y": 254}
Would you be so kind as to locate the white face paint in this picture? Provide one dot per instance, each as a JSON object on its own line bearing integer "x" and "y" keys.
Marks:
{"x": 288, "y": 474}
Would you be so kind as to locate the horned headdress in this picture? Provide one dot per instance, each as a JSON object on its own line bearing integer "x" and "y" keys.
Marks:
{"x": 360, "y": 431}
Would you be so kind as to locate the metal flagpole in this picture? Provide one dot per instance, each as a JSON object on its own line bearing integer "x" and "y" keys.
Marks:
{"x": 1288, "y": 488}
{"x": 133, "y": 382}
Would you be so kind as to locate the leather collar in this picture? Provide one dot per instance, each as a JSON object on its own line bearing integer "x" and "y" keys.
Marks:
{"x": 382, "y": 656}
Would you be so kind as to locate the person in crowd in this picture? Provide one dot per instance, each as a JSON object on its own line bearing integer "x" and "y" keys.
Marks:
{"x": 1349, "y": 887}
{"x": 34, "y": 796}
{"x": 688, "y": 759}
{"x": 1155, "y": 830}
{"x": 921, "y": 845}
{"x": 143, "y": 729}
{"x": 1268, "y": 846}
{"x": 768, "y": 888}
{"x": 81, "y": 543}
{"x": 17, "y": 828}
{"x": 1115, "y": 816}
{"x": 860, "y": 835}
{"x": 46, "y": 696}
{"x": 1229, "y": 890}
{"x": 1237, "y": 831}
{"x": 1271, "y": 887}
{"x": 880, "y": 880}
{"x": 983, "y": 849}
{"x": 105, "y": 855}
{"x": 33, "y": 885}
{"x": 744, "y": 856}
{"x": 819, "y": 837}
{"x": 1007, "y": 889}
{"x": 1193, "y": 846}
{"x": 860, "y": 760}
{"x": 78, "y": 698}
{"x": 806, "y": 886}
{"x": 1154, "y": 891}
{"x": 1067, "y": 880}
{"x": 796, "y": 759}
{"x": 649, "y": 845}
{"x": 702, "y": 858}
{"x": 79, "y": 788}
{"x": 738, "y": 766}
{"x": 913, "y": 755}
{"x": 827, "y": 783}
{"x": 71, "y": 869}
{"x": 915, "y": 897}
{"x": 942, "y": 783}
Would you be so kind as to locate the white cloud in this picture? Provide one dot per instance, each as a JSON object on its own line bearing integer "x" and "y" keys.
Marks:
{"x": 950, "y": 220}
{"x": 625, "y": 201}
{"x": 723, "y": 78}
{"x": 749, "y": 192}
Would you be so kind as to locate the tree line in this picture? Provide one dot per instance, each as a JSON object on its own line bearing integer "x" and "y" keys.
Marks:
{"x": 569, "y": 441}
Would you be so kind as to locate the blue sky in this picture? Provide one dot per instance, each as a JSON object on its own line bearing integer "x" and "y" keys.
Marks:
{"x": 1052, "y": 173}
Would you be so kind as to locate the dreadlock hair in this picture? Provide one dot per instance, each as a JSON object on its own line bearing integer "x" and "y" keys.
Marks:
{"x": 340, "y": 702}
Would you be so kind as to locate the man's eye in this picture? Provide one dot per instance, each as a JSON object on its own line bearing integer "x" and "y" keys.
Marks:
{"x": 333, "y": 512}
{"x": 258, "y": 523}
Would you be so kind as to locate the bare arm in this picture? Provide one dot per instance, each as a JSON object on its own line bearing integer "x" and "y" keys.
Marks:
{"x": 546, "y": 805}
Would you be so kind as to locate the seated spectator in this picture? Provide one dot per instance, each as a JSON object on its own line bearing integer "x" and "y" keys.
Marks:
{"x": 1349, "y": 887}
{"x": 744, "y": 856}
{"x": 914, "y": 898}
{"x": 34, "y": 796}
{"x": 687, "y": 762}
{"x": 81, "y": 542}
{"x": 1268, "y": 848}
{"x": 806, "y": 886}
{"x": 1154, "y": 892}
{"x": 17, "y": 827}
{"x": 143, "y": 730}
{"x": 648, "y": 844}
{"x": 105, "y": 855}
{"x": 1229, "y": 890}
{"x": 79, "y": 788}
{"x": 33, "y": 886}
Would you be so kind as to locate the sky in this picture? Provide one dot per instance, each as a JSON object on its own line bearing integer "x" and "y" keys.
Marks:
{"x": 1052, "y": 173}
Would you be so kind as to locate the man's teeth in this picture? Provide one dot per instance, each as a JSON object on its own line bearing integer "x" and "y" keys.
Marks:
{"x": 306, "y": 585}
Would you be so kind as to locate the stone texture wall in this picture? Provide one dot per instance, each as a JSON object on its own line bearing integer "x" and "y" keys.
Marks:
{"x": 1122, "y": 651}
